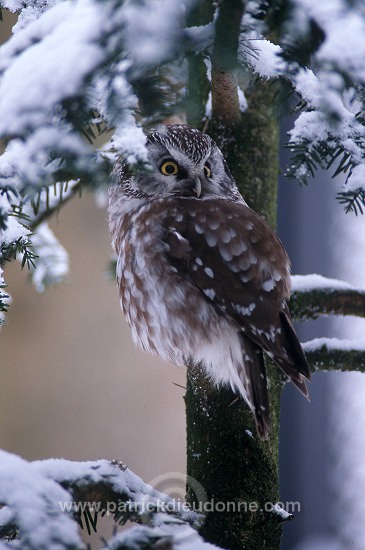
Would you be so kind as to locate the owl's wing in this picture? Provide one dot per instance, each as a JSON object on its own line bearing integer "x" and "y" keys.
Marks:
{"x": 238, "y": 263}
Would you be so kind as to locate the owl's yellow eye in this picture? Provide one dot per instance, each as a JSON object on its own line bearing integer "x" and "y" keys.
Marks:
{"x": 169, "y": 168}
{"x": 207, "y": 171}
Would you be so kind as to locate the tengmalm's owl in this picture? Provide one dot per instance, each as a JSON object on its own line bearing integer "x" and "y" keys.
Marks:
{"x": 202, "y": 278}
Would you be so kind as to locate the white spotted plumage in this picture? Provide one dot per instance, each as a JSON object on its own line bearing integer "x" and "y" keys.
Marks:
{"x": 202, "y": 278}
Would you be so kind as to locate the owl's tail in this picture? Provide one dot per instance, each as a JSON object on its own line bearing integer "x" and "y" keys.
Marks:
{"x": 294, "y": 364}
{"x": 253, "y": 377}
{"x": 297, "y": 368}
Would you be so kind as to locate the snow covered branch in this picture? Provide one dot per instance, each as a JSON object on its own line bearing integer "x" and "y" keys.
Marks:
{"x": 27, "y": 237}
{"x": 127, "y": 69}
{"x": 330, "y": 130}
{"x": 321, "y": 58}
{"x": 335, "y": 354}
{"x": 314, "y": 295}
{"x": 43, "y": 500}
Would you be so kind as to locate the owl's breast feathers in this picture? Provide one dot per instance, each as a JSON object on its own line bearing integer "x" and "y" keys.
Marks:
{"x": 209, "y": 267}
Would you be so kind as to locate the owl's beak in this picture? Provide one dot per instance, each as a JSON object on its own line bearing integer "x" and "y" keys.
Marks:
{"x": 198, "y": 187}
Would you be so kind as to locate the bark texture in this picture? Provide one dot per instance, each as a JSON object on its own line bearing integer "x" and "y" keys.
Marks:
{"x": 223, "y": 451}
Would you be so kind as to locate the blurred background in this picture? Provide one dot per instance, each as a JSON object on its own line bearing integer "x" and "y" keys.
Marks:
{"x": 74, "y": 386}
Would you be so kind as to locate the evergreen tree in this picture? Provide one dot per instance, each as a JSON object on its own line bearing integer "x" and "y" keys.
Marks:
{"x": 74, "y": 71}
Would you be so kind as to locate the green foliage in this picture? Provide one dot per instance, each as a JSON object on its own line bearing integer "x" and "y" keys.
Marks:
{"x": 307, "y": 158}
{"x": 354, "y": 201}
{"x": 4, "y": 300}
{"x": 21, "y": 247}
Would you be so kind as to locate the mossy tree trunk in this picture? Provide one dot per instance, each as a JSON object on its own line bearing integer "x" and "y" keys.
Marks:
{"x": 238, "y": 472}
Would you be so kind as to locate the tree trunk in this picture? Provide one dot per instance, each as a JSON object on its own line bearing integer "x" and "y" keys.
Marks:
{"x": 238, "y": 472}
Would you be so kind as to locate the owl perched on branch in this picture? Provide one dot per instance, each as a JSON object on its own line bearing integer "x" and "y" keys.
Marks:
{"x": 202, "y": 278}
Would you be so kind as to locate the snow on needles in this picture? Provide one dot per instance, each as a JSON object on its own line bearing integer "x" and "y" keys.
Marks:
{"x": 54, "y": 70}
{"x": 49, "y": 63}
{"x": 30, "y": 499}
{"x": 52, "y": 263}
{"x": 178, "y": 537}
{"x": 336, "y": 344}
{"x": 344, "y": 45}
{"x": 54, "y": 59}
{"x": 38, "y": 64}
{"x": 264, "y": 58}
{"x": 159, "y": 23}
{"x": 37, "y": 504}
{"x": 339, "y": 59}
{"x": 307, "y": 283}
{"x": 329, "y": 90}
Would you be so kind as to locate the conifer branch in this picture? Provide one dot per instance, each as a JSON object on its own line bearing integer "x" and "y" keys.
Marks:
{"x": 43, "y": 214}
{"x": 66, "y": 491}
{"x": 332, "y": 354}
{"x": 326, "y": 301}
{"x": 354, "y": 201}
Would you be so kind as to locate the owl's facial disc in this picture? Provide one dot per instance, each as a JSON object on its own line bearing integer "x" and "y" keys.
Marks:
{"x": 186, "y": 163}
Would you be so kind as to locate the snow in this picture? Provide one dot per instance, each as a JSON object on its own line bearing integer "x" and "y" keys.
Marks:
{"x": 346, "y": 399}
{"x": 157, "y": 24}
{"x": 329, "y": 114}
{"x": 339, "y": 59}
{"x": 357, "y": 179}
{"x": 333, "y": 344}
{"x": 200, "y": 39}
{"x": 123, "y": 481}
{"x": 311, "y": 126}
{"x": 32, "y": 93}
{"x": 174, "y": 537}
{"x": 242, "y": 101}
{"x": 344, "y": 29}
{"x": 307, "y": 283}
{"x": 5, "y": 298}
{"x": 52, "y": 261}
{"x": 52, "y": 264}
{"x": 279, "y": 511}
{"x": 31, "y": 12}
{"x": 51, "y": 197}
{"x": 29, "y": 160}
{"x": 130, "y": 140}
{"x": 42, "y": 509}
{"x": 31, "y": 499}
{"x": 265, "y": 58}
{"x": 328, "y": 117}
{"x": 49, "y": 60}
{"x": 13, "y": 232}
{"x": 30, "y": 89}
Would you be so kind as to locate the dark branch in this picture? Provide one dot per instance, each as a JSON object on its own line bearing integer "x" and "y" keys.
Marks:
{"x": 109, "y": 490}
{"x": 198, "y": 87}
{"x": 324, "y": 357}
{"x": 225, "y": 103}
{"x": 327, "y": 301}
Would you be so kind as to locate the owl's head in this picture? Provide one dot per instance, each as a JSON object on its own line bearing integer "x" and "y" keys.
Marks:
{"x": 184, "y": 163}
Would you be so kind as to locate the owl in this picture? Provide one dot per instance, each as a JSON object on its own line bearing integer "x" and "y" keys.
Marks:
{"x": 202, "y": 278}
